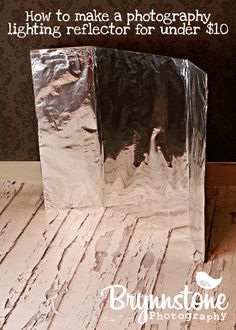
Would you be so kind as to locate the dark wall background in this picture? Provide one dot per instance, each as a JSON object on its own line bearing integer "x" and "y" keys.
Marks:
{"x": 214, "y": 54}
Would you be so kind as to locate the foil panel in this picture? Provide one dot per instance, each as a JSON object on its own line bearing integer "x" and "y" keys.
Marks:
{"x": 122, "y": 129}
{"x": 67, "y": 127}
{"x": 143, "y": 128}
{"x": 197, "y": 93}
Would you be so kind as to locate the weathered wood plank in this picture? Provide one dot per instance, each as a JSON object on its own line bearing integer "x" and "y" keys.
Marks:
{"x": 173, "y": 274}
{"x": 223, "y": 263}
{"x": 8, "y": 190}
{"x": 21, "y": 171}
{"x": 223, "y": 218}
{"x": 53, "y": 268}
{"x": 82, "y": 304}
{"x": 52, "y": 275}
{"x": 17, "y": 216}
{"x": 18, "y": 267}
{"x": 137, "y": 273}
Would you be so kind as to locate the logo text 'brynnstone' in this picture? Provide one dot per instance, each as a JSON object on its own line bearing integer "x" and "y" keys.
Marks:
{"x": 187, "y": 300}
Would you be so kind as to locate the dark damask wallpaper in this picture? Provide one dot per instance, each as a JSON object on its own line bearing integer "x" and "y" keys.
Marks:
{"x": 214, "y": 54}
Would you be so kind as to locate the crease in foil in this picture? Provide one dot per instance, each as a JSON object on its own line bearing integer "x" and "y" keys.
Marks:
{"x": 125, "y": 129}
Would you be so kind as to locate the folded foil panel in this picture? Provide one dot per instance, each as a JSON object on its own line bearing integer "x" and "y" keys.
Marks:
{"x": 67, "y": 126}
{"x": 120, "y": 128}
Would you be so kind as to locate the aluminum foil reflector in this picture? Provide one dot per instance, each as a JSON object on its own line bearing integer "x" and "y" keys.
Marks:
{"x": 125, "y": 129}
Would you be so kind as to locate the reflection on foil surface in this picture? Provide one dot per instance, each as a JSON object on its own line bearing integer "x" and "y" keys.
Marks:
{"x": 68, "y": 139}
{"x": 119, "y": 128}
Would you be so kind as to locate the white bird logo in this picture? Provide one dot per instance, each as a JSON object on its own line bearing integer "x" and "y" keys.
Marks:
{"x": 207, "y": 282}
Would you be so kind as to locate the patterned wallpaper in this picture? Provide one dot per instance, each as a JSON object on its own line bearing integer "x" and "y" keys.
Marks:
{"x": 214, "y": 54}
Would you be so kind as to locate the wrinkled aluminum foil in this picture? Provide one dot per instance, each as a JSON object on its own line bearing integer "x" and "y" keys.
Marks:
{"x": 121, "y": 128}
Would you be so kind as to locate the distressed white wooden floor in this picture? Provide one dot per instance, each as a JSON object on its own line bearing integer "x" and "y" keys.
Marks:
{"x": 53, "y": 265}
